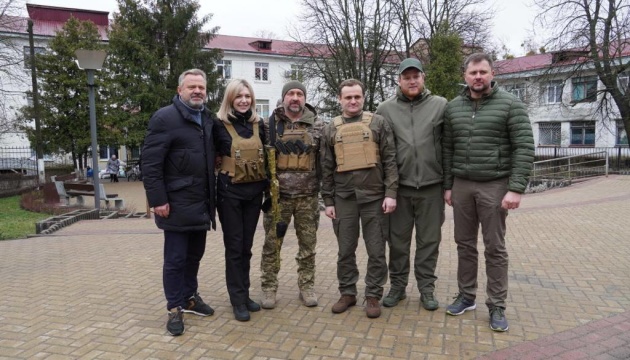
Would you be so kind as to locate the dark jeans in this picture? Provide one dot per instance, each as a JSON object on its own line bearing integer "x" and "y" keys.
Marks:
{"x": 182, "y": 253}
{"x": 477, "y": 203}
{"x": 239, "y": 219}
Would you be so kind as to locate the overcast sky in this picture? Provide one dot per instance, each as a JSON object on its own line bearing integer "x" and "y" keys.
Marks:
{"x": 512, "y": 25}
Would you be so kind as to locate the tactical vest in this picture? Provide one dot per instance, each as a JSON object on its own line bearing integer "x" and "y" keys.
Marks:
{"x": 354, "y": 144}
{"x": 246, "y": 162}
{"x": 297, "y": 160}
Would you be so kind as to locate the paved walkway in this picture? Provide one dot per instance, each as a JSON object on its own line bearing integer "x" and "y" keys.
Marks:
{"x": 93, "y": 291}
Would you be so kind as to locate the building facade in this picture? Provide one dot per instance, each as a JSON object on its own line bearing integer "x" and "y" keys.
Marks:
{"x": 564, "y": 98}
{"x": 267, "y": 64}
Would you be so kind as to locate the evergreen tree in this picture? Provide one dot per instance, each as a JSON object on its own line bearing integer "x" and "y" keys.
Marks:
{"x": 150, "y": 44}
{"x": 445, "y": 67}
{"x": 63, "y": 93}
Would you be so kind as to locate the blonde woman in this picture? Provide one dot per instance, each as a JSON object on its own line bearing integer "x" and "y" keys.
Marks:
{"x": 241, "y": 182}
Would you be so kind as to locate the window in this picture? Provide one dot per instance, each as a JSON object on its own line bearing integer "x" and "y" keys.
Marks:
{"x": 584, "y": 89}
{"x": 583, "y": 133}
{"x": 554, "y": 92}
{"x": 261, "y": 72}
{"x": 549, "y": 133}
{"x": 29, "y": 99}
{"x": 517, "y": 90}
{"x": 262, "y": 108}
{"x": 224, "y": 68}
{"x": 624, "y": 81}
{"x": 105, "y": 151}
{"x": 622, "y": 134}
{"x": 27, "y": 55}
{"x": 297, "y": 72}
{"x": 135, "y": 152}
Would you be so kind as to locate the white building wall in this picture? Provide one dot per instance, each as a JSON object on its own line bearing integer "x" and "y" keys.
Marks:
{"x": 542, "y": 112}
{"x": 14, "y": 88}
{"x": 244, "y": 65}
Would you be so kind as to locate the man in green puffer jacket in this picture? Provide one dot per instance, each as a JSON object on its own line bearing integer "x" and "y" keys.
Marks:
{"x": 488, "y": 151}
{"x": 415, "y": 116}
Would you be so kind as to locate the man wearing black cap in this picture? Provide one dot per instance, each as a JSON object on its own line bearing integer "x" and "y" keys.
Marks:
{"x": 294, "y": 130}
{"x": 415, "y": 116}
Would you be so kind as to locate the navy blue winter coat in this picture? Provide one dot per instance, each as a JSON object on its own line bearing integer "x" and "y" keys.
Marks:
{"x": 178, "y": 167}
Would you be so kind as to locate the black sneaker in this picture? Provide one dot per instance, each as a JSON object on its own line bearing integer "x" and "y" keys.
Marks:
{"x": 460, "y": 305}
{"x": 252, "y": 305}
{"x": 498, "y": 322}
{"x": 196, "y": 306}
{"x": 175, "y": 322}
{"x": 240, "y": 312}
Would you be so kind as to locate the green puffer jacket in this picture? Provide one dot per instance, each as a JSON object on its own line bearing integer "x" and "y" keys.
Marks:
{"x": 487, "y": 139}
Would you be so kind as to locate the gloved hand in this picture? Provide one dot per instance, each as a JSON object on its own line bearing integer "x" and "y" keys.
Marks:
{"x": 266, "y": 205}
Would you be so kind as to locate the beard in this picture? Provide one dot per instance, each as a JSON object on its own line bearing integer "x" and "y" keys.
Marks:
{"x": 295, "y": 108}
{"x": 195, "y": 103}
{"x": 479, "y": 88}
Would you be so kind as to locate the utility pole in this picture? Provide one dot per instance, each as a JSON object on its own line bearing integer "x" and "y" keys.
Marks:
{"x": 38, "y": 135}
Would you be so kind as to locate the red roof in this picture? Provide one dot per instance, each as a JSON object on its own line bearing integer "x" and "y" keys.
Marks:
{"x": 59, "y": 14}
{"x": 521, "y": 64}
{"x": 250, "y": 44}
{"x": 278, "y": 47}
{"x": 556, "y": 58}
{"x": 47, "y": 21}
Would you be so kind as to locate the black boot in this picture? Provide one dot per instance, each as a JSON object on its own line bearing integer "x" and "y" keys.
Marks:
{"x": 241, "y": 313}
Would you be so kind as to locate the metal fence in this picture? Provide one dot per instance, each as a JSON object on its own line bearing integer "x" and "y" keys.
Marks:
{"x": 618, "y": 157}
{"x": 18, "y": 160}
{"x": 557, "y": 167}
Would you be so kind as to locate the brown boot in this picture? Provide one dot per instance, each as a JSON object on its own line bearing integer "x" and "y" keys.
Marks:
{"x": 373, "y": 307}
{"x": 345, "y": 301}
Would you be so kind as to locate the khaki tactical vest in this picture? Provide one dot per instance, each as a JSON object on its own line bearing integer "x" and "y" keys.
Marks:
{"x": 304, "y": 161}
{"x": 247, "y": 161}
{"x": 354, "y": 144}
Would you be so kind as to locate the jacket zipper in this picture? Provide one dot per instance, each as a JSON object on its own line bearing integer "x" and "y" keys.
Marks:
{"x": 415, "y": 155}
{"x": 470, "y": 131}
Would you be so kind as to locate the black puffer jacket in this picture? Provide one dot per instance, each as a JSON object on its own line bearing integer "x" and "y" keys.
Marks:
{"x": 177, "y": 167}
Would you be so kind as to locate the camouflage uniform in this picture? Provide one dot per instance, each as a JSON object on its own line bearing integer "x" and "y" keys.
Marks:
{"x": 298, "y": 199}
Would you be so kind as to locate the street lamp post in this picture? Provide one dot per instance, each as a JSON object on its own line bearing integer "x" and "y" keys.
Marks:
{"x": 91, "y": 60}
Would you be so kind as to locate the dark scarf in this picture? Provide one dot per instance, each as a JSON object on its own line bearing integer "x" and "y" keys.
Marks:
{"x": 242, "y": 117}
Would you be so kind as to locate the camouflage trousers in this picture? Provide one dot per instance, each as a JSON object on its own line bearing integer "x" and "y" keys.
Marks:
{"x": 305, "y": 212}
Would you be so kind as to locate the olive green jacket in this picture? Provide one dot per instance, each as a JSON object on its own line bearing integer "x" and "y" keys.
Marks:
{"x": 417, "y": 127}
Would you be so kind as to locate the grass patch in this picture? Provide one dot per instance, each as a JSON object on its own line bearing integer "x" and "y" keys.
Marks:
{"x": 15, "y": 222}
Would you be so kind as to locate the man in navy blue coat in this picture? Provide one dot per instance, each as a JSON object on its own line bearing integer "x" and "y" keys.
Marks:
{"x": 178, "y": 169}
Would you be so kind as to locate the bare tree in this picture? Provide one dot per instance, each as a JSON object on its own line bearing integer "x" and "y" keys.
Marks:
{"x": 11, "y": 74}
{"x": 265, "y": 34}
{"x": 342, "y": 39}
{"x": 592, "y": 36}
{"x": 418, "y": 22}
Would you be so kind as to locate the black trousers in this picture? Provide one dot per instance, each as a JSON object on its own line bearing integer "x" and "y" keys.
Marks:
{"x": 182, "y": 253}
{"x": 239, "y": 219}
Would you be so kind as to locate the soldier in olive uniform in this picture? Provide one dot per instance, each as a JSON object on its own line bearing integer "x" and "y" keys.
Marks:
{"x": 359, "y": 185}
{"x": 294, "y": 130}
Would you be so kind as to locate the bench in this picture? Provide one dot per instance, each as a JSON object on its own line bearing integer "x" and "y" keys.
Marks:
{"x": 79, "y": 190}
